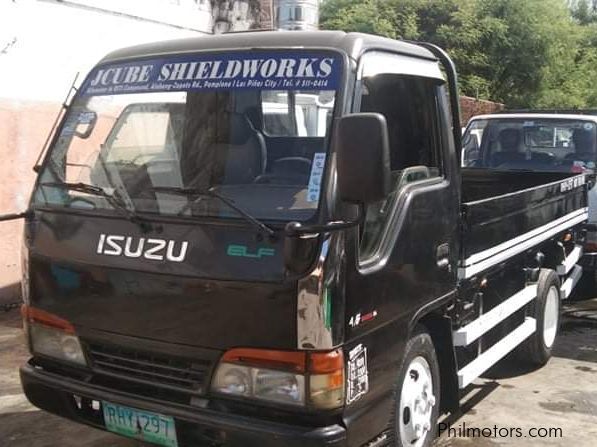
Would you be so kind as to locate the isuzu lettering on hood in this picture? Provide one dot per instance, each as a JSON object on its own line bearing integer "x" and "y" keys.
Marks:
{"x": 150, "y": 248}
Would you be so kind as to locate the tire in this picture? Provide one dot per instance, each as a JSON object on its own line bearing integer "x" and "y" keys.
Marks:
{"x": 545, "y": 309}
{"x": 416, "y": 396}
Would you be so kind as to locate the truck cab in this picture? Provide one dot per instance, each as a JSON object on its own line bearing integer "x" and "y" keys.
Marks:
{"x": 267, "y": 239}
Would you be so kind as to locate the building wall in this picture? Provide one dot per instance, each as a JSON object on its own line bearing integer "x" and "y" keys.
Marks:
{"x": 54, "y": 40}
{"x": 266, "y": 16}
{"x": 24, "y": 125}
{"x": 236, "y": 15}
{"x": 191, "y": 14}
{"x": 470, "y": 107}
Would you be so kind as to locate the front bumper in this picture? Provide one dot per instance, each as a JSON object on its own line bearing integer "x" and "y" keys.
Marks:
{"x": 194, "y": 426}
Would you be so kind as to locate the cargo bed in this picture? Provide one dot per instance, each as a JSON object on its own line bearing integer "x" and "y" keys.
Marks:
{"x": 505, "y": 213}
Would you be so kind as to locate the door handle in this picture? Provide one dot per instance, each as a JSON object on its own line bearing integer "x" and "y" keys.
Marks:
{"x": 442, "y": 256}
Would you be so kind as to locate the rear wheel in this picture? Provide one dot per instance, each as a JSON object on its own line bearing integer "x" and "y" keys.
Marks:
{"x": 417, "y": 394}
{"x": 545, "y": 309}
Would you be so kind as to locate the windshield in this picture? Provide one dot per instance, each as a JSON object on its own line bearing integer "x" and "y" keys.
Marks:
{"x": 249, "y": 127}
{"x": 538, "y": 144}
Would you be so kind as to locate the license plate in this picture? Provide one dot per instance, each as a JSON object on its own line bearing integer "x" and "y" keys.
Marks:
{"x": 139, "y": 424}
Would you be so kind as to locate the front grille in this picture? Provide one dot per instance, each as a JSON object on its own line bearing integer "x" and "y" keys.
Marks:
{"x": 156, "y": 370}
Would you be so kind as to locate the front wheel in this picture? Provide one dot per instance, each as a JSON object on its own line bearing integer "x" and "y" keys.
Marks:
{"x": 417, "y": 394}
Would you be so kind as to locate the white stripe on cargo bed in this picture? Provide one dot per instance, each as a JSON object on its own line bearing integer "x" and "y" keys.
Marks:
{"x": 499, "y": 253}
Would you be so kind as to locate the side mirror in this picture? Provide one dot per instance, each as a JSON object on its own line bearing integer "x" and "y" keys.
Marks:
{"x": 299, "y": 249}
{"x": 86, "y": 124}
{"x": 362, "y": 149}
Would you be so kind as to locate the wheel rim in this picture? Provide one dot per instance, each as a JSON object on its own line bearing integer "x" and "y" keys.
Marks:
{"x": 551, "y": 314}
{"x": 416, "y": 403}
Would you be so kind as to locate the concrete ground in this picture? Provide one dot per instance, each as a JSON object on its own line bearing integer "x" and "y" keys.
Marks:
{"x": 562, "y": 395}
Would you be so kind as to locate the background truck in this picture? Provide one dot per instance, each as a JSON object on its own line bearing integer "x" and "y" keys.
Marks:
{"x": 194, "y": 275}
{"x": 540, "y": 141}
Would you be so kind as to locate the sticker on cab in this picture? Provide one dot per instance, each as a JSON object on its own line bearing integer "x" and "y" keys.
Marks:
{"x": 316, "y": 177}
{"x": 260, "y": 70}
{"x": 357, "y": 374}
{"x": 86, "y": 117}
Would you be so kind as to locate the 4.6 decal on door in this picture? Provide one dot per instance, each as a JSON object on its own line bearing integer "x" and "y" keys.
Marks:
{"x": 361, "y": 318}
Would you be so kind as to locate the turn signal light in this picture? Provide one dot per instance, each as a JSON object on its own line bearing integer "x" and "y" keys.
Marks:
{"x": 326, "y": 385}
{"x": 286, "y": 360}
{"x": 34, "y": 315}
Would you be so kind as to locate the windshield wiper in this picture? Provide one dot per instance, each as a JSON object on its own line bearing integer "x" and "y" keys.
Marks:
{"x": 112, "y": 198}
{"x": 200, "y": 194}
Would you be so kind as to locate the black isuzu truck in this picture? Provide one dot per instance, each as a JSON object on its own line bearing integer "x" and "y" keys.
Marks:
{"x": 266, "y": 239}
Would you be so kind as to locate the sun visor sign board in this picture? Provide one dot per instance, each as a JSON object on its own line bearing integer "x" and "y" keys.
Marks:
{"x": 217, "y": 71}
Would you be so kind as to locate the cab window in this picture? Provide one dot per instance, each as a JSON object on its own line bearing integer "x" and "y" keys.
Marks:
{"x": 409, "y": 102}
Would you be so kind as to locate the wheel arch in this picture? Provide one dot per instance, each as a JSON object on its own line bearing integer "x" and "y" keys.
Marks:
{"x": 439, "y": 327}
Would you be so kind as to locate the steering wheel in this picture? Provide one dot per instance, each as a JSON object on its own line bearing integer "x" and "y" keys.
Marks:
{"x": 281, "y": 179}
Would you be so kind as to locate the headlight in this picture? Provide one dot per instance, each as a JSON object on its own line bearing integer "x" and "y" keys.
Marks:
{"x": 52, "y": 336}
{"x": 279, "y": 386}
{"x": 282, "y": 377}
{"x": 259, "y": 383}
{"x": 55, "y": 343}
{"x": 233, "y": 379}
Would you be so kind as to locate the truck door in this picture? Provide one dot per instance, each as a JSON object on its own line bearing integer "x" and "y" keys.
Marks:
{"x": 408, "y": 240}
{"x": 406, "y": 250}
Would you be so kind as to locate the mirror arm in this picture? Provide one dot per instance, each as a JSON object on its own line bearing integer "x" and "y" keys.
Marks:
{"x": 297, "y": 229}
{"x": 301, "y": 243}
{"x": 14, "y": 216}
